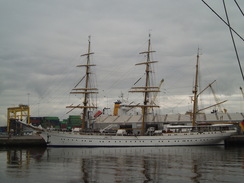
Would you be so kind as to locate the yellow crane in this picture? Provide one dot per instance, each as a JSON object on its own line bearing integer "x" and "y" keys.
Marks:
{"x": 216, "y": 99}
{"x": 18, "y": 114}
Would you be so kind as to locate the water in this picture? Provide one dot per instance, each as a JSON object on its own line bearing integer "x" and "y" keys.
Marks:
{"x": 159, "y": 164}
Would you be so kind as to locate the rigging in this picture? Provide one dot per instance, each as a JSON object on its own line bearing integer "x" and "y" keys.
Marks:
{"x": 233, "y": 40}
{"x": 239, "y": 8}
{"x": 231, "y": 30}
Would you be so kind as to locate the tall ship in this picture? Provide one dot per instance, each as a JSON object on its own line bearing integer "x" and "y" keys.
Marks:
{"x": 168, "y": 135}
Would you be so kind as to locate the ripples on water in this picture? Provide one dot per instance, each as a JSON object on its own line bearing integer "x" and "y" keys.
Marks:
{"x": 151, "y": 164}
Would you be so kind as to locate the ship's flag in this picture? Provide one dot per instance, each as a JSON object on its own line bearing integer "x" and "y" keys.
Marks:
{"x": 242, "y": 125}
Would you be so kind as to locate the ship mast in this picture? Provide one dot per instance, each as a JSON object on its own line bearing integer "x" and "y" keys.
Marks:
{"x": 88, "y": 90}
{"x": 195, "y": 92}
{"x": 147, "y": 89}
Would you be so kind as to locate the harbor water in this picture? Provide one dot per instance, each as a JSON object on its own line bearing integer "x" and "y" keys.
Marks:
{"x": 105, "y": 165}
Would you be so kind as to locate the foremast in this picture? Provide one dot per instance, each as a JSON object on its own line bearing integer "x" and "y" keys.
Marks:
{"x": 88, "y": 90}
{"x": 147, "y": 89}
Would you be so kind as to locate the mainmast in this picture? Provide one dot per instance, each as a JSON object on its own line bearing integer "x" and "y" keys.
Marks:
{"x": 88, "y": 90}
{"x": 195, "y": 92}
{"x": 147, "y": 89}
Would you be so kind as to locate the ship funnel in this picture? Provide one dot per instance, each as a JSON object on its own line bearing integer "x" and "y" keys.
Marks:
{"x": 116, "y": 107}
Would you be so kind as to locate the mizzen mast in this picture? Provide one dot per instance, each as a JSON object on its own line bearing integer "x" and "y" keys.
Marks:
{"x": 195, "y": 92}
{"x": 88, "y": 90}
{"x": 147, "y": 89}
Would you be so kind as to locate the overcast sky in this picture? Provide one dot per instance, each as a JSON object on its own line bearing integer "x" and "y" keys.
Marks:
{"x": 41, "y": 43}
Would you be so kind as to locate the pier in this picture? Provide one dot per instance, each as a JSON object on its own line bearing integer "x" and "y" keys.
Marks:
{"x": 235, "y": 140}
{"x": 22, "y": 141}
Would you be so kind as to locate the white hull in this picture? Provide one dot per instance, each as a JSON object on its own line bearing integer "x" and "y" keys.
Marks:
{"x": 65, "y": 139}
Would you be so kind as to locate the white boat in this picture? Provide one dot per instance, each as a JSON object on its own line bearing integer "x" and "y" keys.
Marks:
{"x": 195, "y": 135}
{"x": 190, "y": 138}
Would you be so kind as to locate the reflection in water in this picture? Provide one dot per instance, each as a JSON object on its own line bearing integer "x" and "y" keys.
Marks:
{"x": 21, "y": 157}
{"x": 144, "y": 164}
{"x": 18, "y": 160}
{"x": 150, "y": 164}
{"x": 14, "y": 158}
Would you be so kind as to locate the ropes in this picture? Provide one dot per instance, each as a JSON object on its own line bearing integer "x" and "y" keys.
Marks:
{"x": 234, "y": 44}
{"x": 239, "y": 7}
{"x": 222, "y": 20}
{"x": 231, "y": 30}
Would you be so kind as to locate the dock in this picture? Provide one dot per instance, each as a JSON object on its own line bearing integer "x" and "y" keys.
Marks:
{"x": 235, "y": 140}
{"x": 22, "y": 141}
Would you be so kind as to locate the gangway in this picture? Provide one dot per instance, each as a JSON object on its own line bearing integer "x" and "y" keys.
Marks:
{"x": 108, "y": 127}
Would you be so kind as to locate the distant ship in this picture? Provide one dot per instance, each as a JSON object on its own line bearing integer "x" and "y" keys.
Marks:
{"x": 170, "y": 135}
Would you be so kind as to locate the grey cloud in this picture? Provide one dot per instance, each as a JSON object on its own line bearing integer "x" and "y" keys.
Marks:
{"x": 41, "y": 42}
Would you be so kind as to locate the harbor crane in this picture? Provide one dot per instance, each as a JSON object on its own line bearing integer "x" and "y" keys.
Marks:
{"x": 216, "y": 99}
{"x": 17, "y": 114}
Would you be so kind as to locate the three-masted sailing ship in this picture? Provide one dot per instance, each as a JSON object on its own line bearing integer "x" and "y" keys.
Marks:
{"x": 174, "y": 136}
